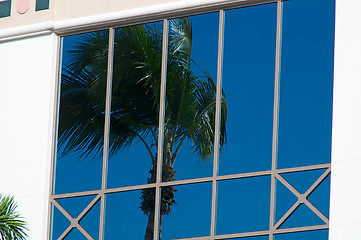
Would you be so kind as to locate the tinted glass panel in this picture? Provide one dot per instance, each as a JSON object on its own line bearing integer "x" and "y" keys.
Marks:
{"x": 190, "y": 97}
{"x": 243, "y": 205}
{"x": 191, "y": 215}
{"x": 301, "y": 217}
{"x": 75, "y": 205}
{"x": 90, "y": 222}
{"x": 248, "y": 80}
{"x": 319, "y": 235}
{"x": 81, "y": 112}
{"x": 59, "y": 223}
{"x": 306, "y": 83}
{"x": 285, "y": 199}
{"x": 135, "y": 104}
{"x": 130, "y": 215}
{"x": 302, "y": 181}
{"x": 75, "y": 234}
{"x": 320, "y": 198}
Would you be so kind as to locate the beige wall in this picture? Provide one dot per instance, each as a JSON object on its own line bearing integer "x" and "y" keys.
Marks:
{"x": 69, "y": 9}
{"x": 72, "y": 9}
{"x": 30, "y": 17}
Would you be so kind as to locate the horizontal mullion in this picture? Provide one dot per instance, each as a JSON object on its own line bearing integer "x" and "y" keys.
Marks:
{"x": 130, "y": 188}
{"x": 193, "y": 180}
{"x": 260, "y": 233}
{"x": 301, "y": 229}
{"x": 194, "y": 238}
{"x": 245, "y": 234}
{"x": 304, "y": 168}
{"x": 229, "y": 236}
{"x": 75, "y": 194}
{"x": 186, "y": 181}
{"x": 244, "y": 175}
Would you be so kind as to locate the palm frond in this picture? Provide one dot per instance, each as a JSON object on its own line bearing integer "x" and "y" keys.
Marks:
{"x": 135, "y": 96}
{"x": 12, "y": 227}
{"x": 190, "y": 99}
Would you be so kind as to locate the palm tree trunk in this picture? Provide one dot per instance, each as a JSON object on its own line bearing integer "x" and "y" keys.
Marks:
{"x": 149, "y": 232}
{"x": 148, "y": 199}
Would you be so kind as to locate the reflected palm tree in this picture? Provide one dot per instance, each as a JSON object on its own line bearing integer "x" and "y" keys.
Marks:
{"x": 189, "y": 110}
{"x": 11, "y": 224}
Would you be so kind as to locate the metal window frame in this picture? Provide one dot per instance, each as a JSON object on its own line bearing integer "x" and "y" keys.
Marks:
{"x": 274, "y": 173}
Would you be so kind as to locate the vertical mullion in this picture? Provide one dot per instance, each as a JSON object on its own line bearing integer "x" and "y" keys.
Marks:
{"x": 54, "y": 144}
{"x": 106, "y": 131}
{"x": 275, "y": 118}
{"x": 217, "y": 122}
{"x": 161, "y": 129}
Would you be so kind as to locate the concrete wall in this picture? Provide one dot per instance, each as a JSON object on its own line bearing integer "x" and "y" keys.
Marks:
{"x": 27, "y": 82}
{"x": 345, "y": 212}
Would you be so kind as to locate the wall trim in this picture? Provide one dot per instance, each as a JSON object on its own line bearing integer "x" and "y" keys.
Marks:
{"x": 26, "y": 31}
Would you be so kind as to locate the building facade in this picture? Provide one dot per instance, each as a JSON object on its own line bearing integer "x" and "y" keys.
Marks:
{"x": 252, "y": 105}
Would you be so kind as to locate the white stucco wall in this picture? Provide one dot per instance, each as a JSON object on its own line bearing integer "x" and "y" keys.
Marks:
{"x": 345, "y": 208}
{"x": 27, "y": 84}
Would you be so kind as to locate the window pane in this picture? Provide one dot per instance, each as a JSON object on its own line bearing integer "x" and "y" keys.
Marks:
{"x": 81, "y": 112}
{"x": 191, "y": 214}
{"x": 303, "y": 216}
{"x": 306, "y": 83}
{"x": 190, "y": 97}
{"x": 248, "y": 80}
{"x": 135, "y": 104}
{"x": 243, "y": 205}
{"x": 75, "y": 205}
{"x": 42, "y": 5}
{"x": 90, "y": 222}
{"x": 319, "y": 235}
{"x": 285, "y": 199}
{"x": 75, "y": 234}
{"x": 59, "y": 223}
{"x": 320, "y": 198}
{"x": 5, "y": 9}
{"x": 130, "y": 215}
{"x": 303, "y": 180}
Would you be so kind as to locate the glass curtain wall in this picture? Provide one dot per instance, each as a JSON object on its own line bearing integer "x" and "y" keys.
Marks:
{"x": 209, "y": 126}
